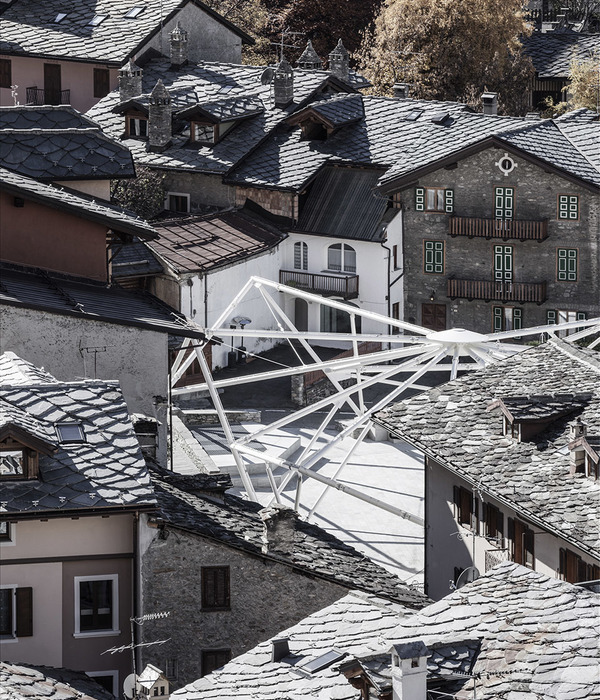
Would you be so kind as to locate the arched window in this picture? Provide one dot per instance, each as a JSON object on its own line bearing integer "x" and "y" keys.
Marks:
{"x": 300, "y": 256}
{"x": 341, "y": 257}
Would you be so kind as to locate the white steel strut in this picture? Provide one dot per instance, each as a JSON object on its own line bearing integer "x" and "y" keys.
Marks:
{"x": 408, "y": 353}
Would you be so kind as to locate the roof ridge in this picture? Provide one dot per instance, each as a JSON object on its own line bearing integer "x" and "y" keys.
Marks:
{"x": 571, "y": 350}
{"x": 575, "y": 146}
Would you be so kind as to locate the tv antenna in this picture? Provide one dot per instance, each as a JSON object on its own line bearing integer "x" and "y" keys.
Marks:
{"x": 285, "y": 33}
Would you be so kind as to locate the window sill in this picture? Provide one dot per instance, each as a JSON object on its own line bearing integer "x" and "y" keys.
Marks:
{"x": 97, "y": 633}
{"x": 8, "y": 639}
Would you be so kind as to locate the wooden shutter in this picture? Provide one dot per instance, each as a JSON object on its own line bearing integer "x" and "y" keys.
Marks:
{"x": 449, "y": 201}
{"x": 498, "y": 318}
{"x": 551, "y": 317}
{"x": 562, "y": 562}
{"x": 101, "y": 82}
{"x": 215, "y": 587}
{"x": 433, "y": 257}
{"x": 52, "y": 84}
{"x": 566, "y": 265}
{"x": 517, "y": 319}
{"x": 24, "y": 626}
{"x": 419, "y": 199}
{"x": 528, "y": 541}
{"x": 500, "y": 522}
{"x": 5, "y": 73}
{"x": 456, "y": 498}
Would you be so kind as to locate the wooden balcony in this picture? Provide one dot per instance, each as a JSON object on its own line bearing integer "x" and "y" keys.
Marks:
{"x": 345, "y": 286}
{"x": 497, "y": 291}
{"x": 38, "y": 96}
{"x": 497, "y": 228}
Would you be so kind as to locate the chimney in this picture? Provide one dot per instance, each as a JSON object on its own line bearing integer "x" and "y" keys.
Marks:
{"x": 490, "y": 102}
{"x": 339, "y": 62}
{"x": 577, "y": 429}
{"x": 577, "y": 453}
{"x": 310, "y": 59}
{"x": 280, "y": 648}
{"x": 409, "y": 671}
{"x": 179, "y": 47}
{"x": 283, "y": 84}
{"x": 400, "y": 91}
{"x": 130, "y": 81}
{"x": 159, "y": 119}
{"x": 279, "y": 529}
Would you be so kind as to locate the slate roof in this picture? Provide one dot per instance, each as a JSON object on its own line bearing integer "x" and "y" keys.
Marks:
{"x": 76, "y": 203}
{"x": 134, "y": 259}
{"x": 451, "y": 424}
{"x": 201, "y": 243}
{"x": 236, "y": 523}
{"x": 344, "y": 202}
{"x": 401, "y": 137}
{"x": 106, "y": 471}
{"x": 537, "y": 637}
{"x": 552, "y": 52}
{"x": 57, "y": 143}
{"x": 15, "y": 371}
{"x": 207, "y": 84}
{"x": 28, "y": 28}
{"x": 23, "y": 682}
{"x": 73, "y": 296}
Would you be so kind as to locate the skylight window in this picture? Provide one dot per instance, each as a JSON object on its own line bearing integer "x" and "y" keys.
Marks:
{"x": 413, "y": 115}
{"x": 70, "y": 432}
{"x": 225, "y": 89}
{"x": 96, "y": 20}
{"x": 323, "y": 661}
{"x": 135, "y": 11}
{"x": 59, "y": 17}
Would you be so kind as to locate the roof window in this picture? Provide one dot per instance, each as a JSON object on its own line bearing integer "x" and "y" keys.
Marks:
{"x": 323, "y": 661}
{"x": 135, "y": 11}
{"x": 96, "y": 20}
{"x": 59, "y": 17}
{"x": 413, "y": 115}
{"x": 440, "y": 118}
{"x": 70, "y": 432}
{"x": 225, "y": 89}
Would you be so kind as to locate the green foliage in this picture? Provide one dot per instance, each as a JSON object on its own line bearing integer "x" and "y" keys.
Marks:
{"x": 144, "y": 195}
{"x": 450, "y": 50}
{"x": 582, "y": 91}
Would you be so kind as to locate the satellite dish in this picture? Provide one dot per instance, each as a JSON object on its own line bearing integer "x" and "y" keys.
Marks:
{"x": 242, "y": 320}
{"x": 470, "y": 574}
{"x": 129, "y": 686}
{"x": 267, "y": 76}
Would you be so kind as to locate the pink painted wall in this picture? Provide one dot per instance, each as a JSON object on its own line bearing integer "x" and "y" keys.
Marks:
{"x": 76, "y": 77}
{"x": 38, "y": 236}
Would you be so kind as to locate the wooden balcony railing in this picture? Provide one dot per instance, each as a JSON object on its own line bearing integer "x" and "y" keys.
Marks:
{"x": 38, "y": 96}
{"x": 497, "y": 228}
{"x": 497, "y": 291}
{"x": 345, "y": 286}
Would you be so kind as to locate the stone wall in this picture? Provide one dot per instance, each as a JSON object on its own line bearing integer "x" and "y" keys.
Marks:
{"x": 473, "y": 181}
{"x": 204, "y": 190}
{"x": 266, "y": 598}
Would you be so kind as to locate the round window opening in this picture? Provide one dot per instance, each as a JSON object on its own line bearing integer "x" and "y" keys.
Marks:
{"x": 506, "y": 164}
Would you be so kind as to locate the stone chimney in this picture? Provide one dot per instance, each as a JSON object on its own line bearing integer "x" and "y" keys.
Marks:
{"x": 283, "y": 84}
{"x": 490, "y": 102}
{"x": 179, "y": 47}
{"x": 577, "y": 429}
{"x": 310, "y": 59}
{"x": 339, "y": 62}
{"x": 409, "y": 671}
{"x": 159, "y": 119}
{"x": 279, "y": 529}
{"x": 130, "y": 81}
{"x": 400, "y": 91}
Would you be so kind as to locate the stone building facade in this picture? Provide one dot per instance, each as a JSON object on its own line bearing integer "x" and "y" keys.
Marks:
{"x": 493, "y": 252}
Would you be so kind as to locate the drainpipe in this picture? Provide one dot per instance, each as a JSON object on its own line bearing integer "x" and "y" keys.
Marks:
{"x": 136, "y": 612}
{"x": 389, "y": 284}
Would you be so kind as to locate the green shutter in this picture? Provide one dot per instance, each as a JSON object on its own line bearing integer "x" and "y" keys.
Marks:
{"x": 434, "y": 257}
{"x": 419, "y": 198}
{"x": 551, "y": 317}
{"x": 449, "y": 201}
{"x": 566, "y": 270}
{"x": 498, "y": 319}
{"x": 517, "y": 319}
{"x": 581, "y": 316}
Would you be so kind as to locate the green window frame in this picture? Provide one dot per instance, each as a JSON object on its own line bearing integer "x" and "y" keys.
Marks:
{"x": 433, "y": 257}
{"x": 505, "y": 316}
{"x": 568, "y": 207}
{"x": 504, "y": 203}
{"x": 503, "y": 263}
{"x": 566, "y": 264}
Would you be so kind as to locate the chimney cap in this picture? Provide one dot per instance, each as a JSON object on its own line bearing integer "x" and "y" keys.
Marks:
{"x": 179, "y": 32}
{"x": 410, "y": 650}
{"x": 340, "y": 49}
{"x": 280, "y": 648}
{"x": 309, "y": 57}
{"x": 160, "y": 94}
{"x": 489, "y": 96}
{"x": 131, "y": 68}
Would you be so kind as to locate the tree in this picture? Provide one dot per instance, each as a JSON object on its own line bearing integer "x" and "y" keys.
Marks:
{"x": 450, "y": 50}
{"x": 144, "y": 195}
{"x": 583, "y": 90}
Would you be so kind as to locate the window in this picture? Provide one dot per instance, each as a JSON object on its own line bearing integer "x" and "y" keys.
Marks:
{"x": 70, "y": 432}
{"x": 6, "y": 532}
{"x": 507, "y": 318}
{"x": 215, "y": 588}
{"x": 554, "y": 316}
{"x": 96, "y": 20}
{"x": 522, "y": 543}
{"x": 204, "y": 133}
{"x": 503, "y": 263}
{"x": 137, "y": 126}
{"x": 12, "y": 462}
{"x": 341, "y": 257}
{"x": 338, "y": 321}
{"x": 211, "y": 660}
{"x": 59, "y": 17}
{"x": 568, "y": 207}
{"x": 504, "y": 202}
{"x": 494, "y": 522}
{"x": 178, "y": 201}
{"x": 96, "y": 604}
{"x": 16, "y": 611}
{"x": 566, "y": 264}
{"x": 101, "y": 82}
{"x": 300, "y": 256}
{"x": 107, "y": 679}
{"x": 395, "y": 257}
{"x": 17, "y": 461}
{"x": 171, "y": 669}
{"x": 434, "y": 199}
{"x": 396, "y": 315}
{"x": 466, "y": 507}
{"x": 5, "y": 73}
{"x": 135, "y": 11}
{"x": 433, "y": 257}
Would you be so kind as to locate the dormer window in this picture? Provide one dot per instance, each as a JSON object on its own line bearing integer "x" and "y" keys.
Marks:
{"x": 313, "y": 131}
{"x": 17, "y": 461}
{"x": 70, "y": 432}
{"x": 202, "y": 133}
{"x": 137, "y": 126}
{"x": 11, "y": 462}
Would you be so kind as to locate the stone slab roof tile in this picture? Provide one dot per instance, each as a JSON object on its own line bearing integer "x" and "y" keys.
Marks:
{"x": 105, "y": 471}
{"x": 552, "y": 52}
{"x": 28, "y": 27}
{"x": 451, "y": 424}
{"x": 236, "y": 522}
{"x": 14, "y": 371}
{"x": 23, "y": 682}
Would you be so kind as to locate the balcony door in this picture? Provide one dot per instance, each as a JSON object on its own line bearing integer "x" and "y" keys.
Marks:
{"x": 504, "y": 203}
{"x": 52, "y": 84}
{"x": 503, "y": 263}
